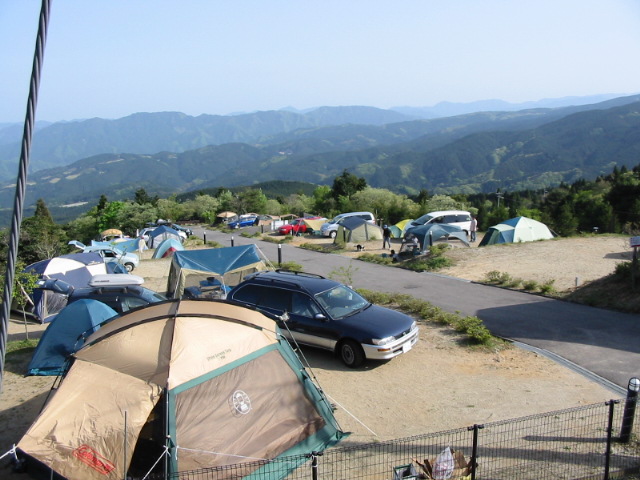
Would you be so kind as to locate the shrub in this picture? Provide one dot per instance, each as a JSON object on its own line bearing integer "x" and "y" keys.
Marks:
{"x": 290, "y": 266}
{"x": 373, "y": 258}
{"x": 547, "y": 287}
{"x": 472, "y": 327}
{"x": 623, "y": 270}
{"x": 530, "y": 285}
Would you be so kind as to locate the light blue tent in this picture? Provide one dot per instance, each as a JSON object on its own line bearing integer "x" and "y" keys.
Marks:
{"x": 161, "y": 233}
{"x": 131, "y": 245}
{"x": 432, "y": 232}
{"x": 65, "y": 335}
{"x": 515, "y": 230}
{"x": 167, "y": 248}
{"x": 209, "y": 272}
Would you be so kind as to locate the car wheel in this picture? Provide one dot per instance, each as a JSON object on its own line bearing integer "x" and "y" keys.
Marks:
{"x": 129, "y": 267}
{"x": 333, "y": 234}
{"x": 351, "y": 353}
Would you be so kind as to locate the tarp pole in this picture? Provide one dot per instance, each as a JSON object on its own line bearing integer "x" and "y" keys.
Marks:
{"x": 21, "y": 183}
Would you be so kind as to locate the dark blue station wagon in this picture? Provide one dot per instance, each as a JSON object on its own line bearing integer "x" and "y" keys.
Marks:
{"x": 319, "y": 312}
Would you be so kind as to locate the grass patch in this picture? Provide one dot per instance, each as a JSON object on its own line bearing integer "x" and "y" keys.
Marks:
{"x": 21, "y": 346}
{"x": 434, "y": 260}
{"x": 20, "y": 352}
{"x": 471, "y": 327}
{"x": 278, "y": 240}
{"x": 332, "y": 248}
{"x": 290, "y": 266}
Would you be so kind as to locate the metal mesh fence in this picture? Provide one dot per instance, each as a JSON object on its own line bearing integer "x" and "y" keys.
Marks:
{"x": 575, "y": 443}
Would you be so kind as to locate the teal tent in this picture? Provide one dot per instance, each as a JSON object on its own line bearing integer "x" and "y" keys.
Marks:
{"x": 167, "y": 248}
{"x": 209, "y": 272}
{"x": 514, "y": 230}
{"x": 432, "y": 232}
{"x": 64, "y": 336}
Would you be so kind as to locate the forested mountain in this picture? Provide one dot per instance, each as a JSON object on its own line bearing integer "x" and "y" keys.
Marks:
{"x": 146, "y": 133}
{"x": 581, "y": 145}
{"x": 322, "y": 129}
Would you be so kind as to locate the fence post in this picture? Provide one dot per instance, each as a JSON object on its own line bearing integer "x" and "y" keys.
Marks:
{"x": 204, "y": 237}
{"x": 232, "y": 240}
{"x": 279, "y": 254}
{"x": 607, "y": 458}
{"x": 314, "y": 464}
{"x": 474, "y": 450}
{"x": 629, "y": 410}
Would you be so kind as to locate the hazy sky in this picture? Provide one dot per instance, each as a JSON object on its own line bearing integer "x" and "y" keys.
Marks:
{"x": 111, "y": 58}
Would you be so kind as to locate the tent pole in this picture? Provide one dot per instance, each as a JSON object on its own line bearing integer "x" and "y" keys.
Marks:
{"x": 124, "y": 463}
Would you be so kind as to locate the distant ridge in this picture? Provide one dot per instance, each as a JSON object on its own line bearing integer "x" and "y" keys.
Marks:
{"x": 478, "y": 152}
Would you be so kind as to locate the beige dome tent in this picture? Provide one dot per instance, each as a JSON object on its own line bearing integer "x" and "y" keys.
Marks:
{"x": 179, "y": 386}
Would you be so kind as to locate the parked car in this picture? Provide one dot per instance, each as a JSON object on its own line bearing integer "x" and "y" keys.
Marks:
{"x": 121, "y": 292}
{"x": 316, "y": 311}
{"x": 187, "y": 231}
{"x": 110, "y": 253}
{"x": 330, "y": 229}
{"x": 243, "y": 221}
{"x": 297, "y": 226}
{"x": 458, "y": 218}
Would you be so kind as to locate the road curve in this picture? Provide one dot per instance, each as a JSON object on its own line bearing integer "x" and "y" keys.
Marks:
{"x": 602, "y": 342}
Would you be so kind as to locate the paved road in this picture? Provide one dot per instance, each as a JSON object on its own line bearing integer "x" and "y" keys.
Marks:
{"x": 603, "y": 342}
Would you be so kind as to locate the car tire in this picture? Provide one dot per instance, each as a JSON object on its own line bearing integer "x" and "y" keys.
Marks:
{"x": 333, "y": 234}
{"x": 351, "y": 353}
{"x": 129, "y": 267}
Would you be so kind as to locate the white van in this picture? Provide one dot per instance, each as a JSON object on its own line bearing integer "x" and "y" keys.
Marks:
{"x": 459, "y": 218}
{"x": 330, "y": 229}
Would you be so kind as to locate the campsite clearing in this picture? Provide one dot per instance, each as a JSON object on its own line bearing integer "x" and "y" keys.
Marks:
{"x": 438, "y": 385}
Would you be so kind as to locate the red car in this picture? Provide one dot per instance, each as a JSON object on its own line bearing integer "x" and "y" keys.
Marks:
{"x": 296, "y": 227}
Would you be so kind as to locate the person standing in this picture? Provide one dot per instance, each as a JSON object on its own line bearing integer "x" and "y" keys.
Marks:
{"x": 473, "y": 228}
{"x": 386, "y": 237}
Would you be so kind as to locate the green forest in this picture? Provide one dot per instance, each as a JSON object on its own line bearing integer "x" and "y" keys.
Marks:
{"x": 609, "y": 204}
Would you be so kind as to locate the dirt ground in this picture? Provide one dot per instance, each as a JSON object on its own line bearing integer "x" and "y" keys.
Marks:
{"x": 439, "y": 385}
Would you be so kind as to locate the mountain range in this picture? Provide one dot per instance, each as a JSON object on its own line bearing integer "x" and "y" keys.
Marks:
{"x": 169, "y": 152}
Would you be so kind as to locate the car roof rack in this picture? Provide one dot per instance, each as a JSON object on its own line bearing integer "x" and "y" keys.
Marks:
{"x": 302, "y": 274}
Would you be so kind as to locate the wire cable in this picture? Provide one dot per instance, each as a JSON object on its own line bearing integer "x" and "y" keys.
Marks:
{"x": 21, "y": 183}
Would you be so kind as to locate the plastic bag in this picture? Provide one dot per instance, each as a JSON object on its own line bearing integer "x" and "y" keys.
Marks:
{"x": 443, "y": 467}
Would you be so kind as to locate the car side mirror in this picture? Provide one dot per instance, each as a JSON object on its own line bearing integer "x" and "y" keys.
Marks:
{"x": 321, "y": 317}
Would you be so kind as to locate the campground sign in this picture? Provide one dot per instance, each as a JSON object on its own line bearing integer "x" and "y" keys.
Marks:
{"x": 634, "y": 242}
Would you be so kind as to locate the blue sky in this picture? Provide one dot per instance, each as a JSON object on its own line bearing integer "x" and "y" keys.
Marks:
{"x": 113, "y": 58}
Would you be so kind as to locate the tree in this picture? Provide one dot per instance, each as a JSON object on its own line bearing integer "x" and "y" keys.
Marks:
{"x": 108, "y": 216}
{"x": 143, "y": 198}
{"x": 251, "y": 200}
{"x": 40, "y": 237}
{"x": 170, "y": 209}
{"x": 346, "y": 185}
{"x": 24, "y": 284}
{"x": 388, "y": 207}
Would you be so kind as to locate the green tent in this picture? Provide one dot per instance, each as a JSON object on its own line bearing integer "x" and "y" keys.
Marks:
{"x": 355, "y": 230}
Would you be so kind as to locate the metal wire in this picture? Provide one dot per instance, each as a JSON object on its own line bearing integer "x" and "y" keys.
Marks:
{"x": 21, "y": 182}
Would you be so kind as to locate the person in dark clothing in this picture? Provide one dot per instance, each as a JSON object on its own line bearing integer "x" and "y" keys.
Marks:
{"x": 386, "y": 237}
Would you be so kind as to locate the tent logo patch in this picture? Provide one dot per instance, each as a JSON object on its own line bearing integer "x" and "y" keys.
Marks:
{"x": 240, "y": 403}
{"x": 88, "y": 455}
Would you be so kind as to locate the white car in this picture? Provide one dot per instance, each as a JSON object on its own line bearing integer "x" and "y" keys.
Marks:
{"x": 330, "y": 229}
{"x": 110, "y": 253}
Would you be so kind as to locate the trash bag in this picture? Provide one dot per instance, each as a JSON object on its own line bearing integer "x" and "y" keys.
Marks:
{"x": 444, "y": 465}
